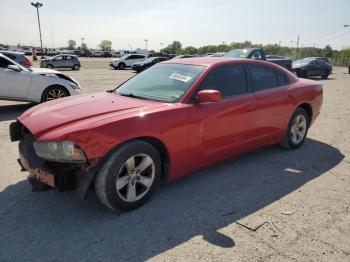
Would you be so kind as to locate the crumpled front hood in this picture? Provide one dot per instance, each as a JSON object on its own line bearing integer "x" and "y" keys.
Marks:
{"x": 44, "y": 71}
{"x": 70, "y": 110}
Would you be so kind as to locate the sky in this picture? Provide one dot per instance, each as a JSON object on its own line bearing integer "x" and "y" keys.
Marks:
{"x": 192, "y": 22}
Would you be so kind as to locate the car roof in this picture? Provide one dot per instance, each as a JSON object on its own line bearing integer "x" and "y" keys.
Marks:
{"x": 209, "y": 61}
{"x": 67, "y": 55}
{"x": 11, "y": 52}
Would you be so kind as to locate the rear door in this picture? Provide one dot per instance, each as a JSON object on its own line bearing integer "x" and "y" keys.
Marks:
{"x": 13, "y": 84}
{"x": 224, "y": 128}
{"x": 274, "y": 101}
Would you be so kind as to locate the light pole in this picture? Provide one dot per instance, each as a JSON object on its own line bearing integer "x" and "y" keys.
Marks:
{"x": 37, "y": 5}
{"x": 161, "y": 46}
{"x": 297, "y": 51}
{"x": 146, "y": 40}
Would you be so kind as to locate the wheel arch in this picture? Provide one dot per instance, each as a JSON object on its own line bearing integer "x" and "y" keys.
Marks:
{"x": 307, "y": 107}
{"x": 159, "y": 146}
{"x": 54, "y": 85}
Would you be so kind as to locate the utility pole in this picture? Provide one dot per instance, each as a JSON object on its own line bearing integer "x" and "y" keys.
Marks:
{"x": 161, "y": 46}
{"x": 146, "y": 40}
{"x": 37, "y": 5}
{"x": 297, "y": 48}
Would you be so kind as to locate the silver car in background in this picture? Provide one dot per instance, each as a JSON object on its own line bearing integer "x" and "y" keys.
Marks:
{"x": 61, "y": 61}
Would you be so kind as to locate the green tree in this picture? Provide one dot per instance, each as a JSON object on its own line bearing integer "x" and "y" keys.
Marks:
{"x": 84, "y": 47}
{"x": 190, "y": 50}
{"x": 328, "y": 51}
{"x": 71, "y": 44}
{"x": 105, "y": 45}
{"x": 174, "y": 48}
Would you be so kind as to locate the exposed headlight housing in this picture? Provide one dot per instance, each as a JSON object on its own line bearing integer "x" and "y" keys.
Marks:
{"x": 63, "y": 151}
{"x": 74, "y": 86}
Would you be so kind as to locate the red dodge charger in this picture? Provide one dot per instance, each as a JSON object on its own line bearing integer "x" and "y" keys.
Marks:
{"x": 176, "y": 117}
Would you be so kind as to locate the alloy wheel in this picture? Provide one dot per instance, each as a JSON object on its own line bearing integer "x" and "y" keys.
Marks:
{"x": 135, "y": 177}
{"x": 54, "y": 94}
{"x": 298, "y": 129}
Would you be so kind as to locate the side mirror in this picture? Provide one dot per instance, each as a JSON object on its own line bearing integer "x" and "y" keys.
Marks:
{"x": 14, "y": 68}
{"x": 208, "y": 95}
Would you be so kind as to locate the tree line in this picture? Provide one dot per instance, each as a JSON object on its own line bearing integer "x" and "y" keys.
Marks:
{"x": 105, "y": 45}
{"x": 338, "y": 57}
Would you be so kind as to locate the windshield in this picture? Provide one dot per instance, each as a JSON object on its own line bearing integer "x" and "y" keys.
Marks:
{"x": 237, "y": 53}
{"x": 162, "y": 82}
{"x": 149, "y": 59}
{"x": 302, "y": 61}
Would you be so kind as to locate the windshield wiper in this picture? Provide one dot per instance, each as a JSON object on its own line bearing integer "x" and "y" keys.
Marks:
{"x": 131, "y": 95}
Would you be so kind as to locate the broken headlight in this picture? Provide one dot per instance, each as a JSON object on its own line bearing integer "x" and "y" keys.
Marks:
{"x": 64, "y": 151}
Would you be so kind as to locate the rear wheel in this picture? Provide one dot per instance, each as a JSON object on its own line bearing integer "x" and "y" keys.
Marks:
{"x": 54, "y": 92}
{"x": 297, "y": 129}
{"x": 302, "y": 73}
{"x": 49, "y": 66}
{"x": 325, "y": 75}
{"x": 76, "y": 67}
{"x": 129, "y": 176}
{"x": 121, "y": 66}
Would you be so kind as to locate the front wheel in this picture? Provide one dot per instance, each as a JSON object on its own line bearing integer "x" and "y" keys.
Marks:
{"x": 49, "y": 66}
{"x": 121, "y": 66}
{"x": 54, "y": 92}
{"x": 129, "y": 176}
{"x": 297, "y": 129}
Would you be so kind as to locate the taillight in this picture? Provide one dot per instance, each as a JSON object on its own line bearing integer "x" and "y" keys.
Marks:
{"x": 27, "y": 62}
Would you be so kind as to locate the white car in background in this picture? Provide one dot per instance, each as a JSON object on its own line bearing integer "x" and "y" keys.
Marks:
{"x": 35, "y": 84}
{"x": 127, "y": 60}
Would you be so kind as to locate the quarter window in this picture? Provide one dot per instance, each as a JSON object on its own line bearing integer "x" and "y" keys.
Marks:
{"x": 230, "y": 80}
{"x": 263, "y": 78}
{"x": 282, "y": 79}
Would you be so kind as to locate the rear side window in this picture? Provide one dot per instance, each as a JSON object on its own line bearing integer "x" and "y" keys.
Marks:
{"x": 10, "y": 56}
{"x": 263, "y": 78}
{"x": 230, "y": 80}
{"x": 282, "y": 79}
{"x": 4, "y": 63}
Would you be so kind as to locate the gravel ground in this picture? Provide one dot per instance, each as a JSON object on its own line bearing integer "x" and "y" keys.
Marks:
{"x": 270, "y": 205}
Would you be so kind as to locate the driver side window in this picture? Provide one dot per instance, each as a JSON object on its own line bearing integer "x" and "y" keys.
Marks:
{"x": 257, "y": 55}
{"x": 230, "y": 80}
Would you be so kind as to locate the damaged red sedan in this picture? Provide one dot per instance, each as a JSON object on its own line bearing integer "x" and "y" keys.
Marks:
{"x": 174, "y": 118}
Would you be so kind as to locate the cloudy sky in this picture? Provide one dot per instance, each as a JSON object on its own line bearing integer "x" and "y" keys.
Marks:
{"x": 193, "y": 22}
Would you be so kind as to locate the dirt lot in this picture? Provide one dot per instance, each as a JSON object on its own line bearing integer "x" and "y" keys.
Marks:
{"x": 300, "y": 199}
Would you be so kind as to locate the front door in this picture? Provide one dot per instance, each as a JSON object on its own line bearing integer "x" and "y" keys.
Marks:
{"x": 225, "y": 128}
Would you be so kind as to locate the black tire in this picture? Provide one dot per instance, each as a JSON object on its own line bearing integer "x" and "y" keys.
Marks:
{"x": 48, "y": 93}
{"x": 76, "y": 67}
{"x": 121, "y": 66}
{"x": 325, "y": 75}
{"x": 106, "y": 179}
{"x": 288, "y": 140}
{"x": 49, "y": 66}
{"x": 302, "y": 74}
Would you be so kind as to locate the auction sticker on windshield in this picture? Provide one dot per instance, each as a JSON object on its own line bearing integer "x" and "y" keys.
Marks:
{"x": 180, "y": 77}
